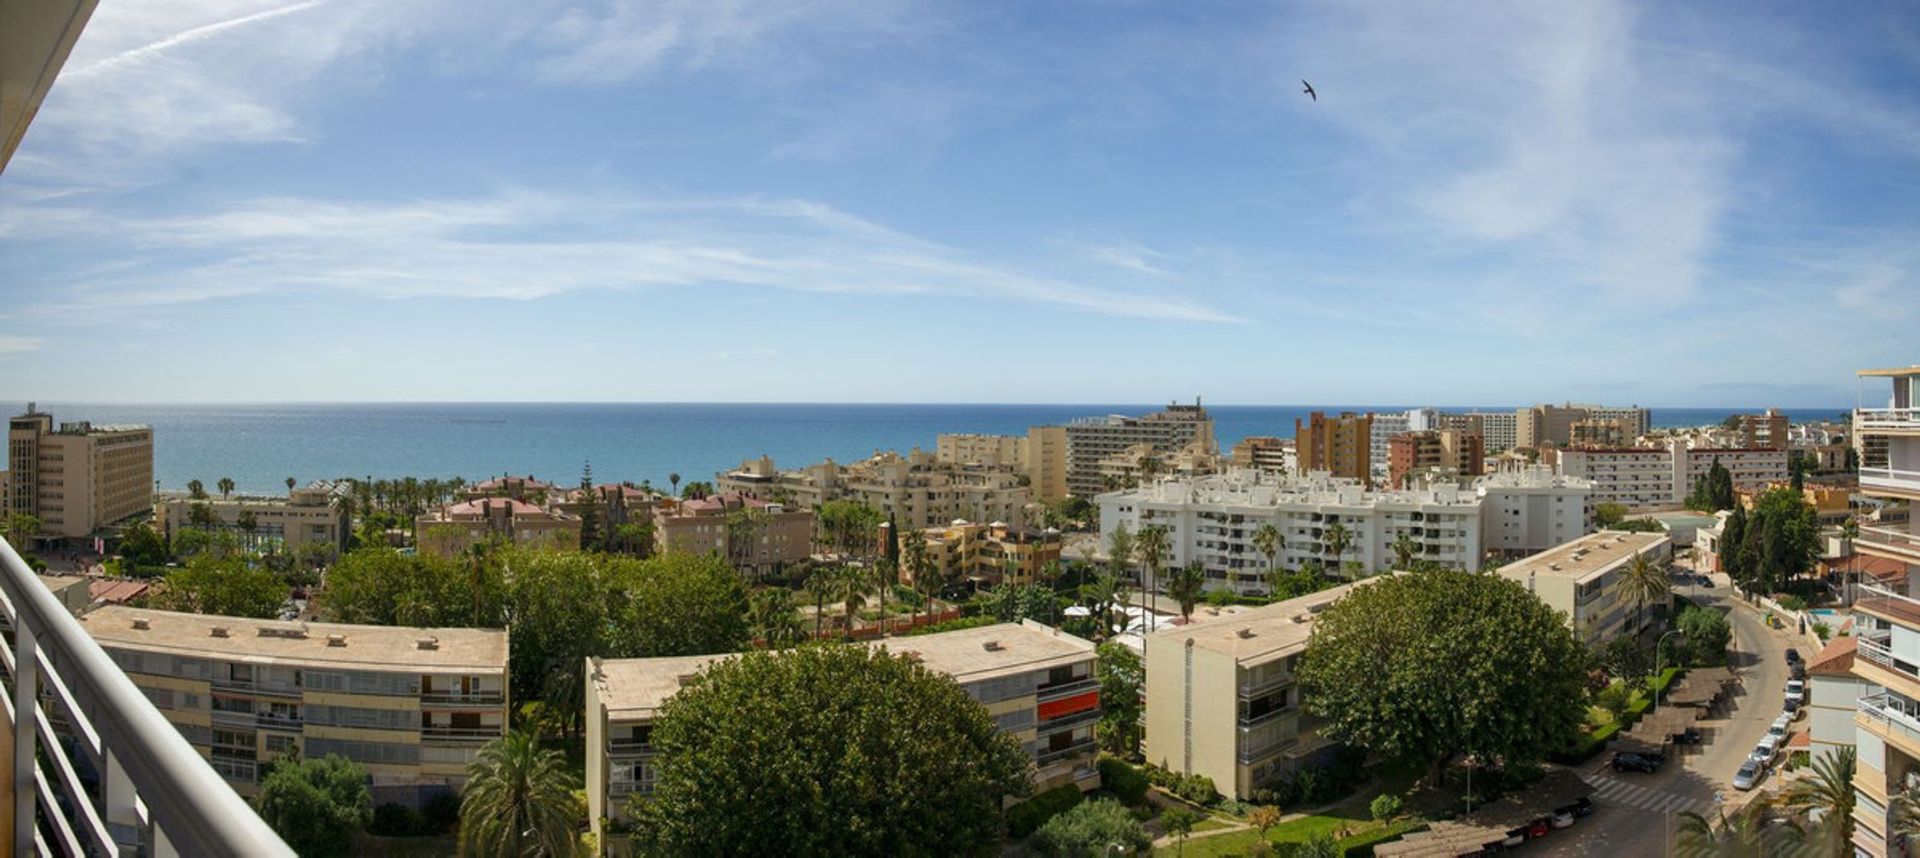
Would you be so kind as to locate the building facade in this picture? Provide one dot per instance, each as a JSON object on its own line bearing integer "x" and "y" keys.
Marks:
{"x": 1833, "y": 697}
{"x": 1381, "y": 430}
{"x": 305, "y": 517}
{"x": 1767, "y": 430}
{"x": 454, "y": 529}
{"x": 1499, "y": 430}
{"x": 757, "y": 537}
{"x": 1091, "y": 440}
{"x": 1341, "y": 446}
{"x": 1663, "y": 476}
{"x": 1212, "y": 521}
{"x": 916, "y": 490}
{"x": 413, "y": 706}
{"x": 1585, "y": 579}
{"x": 1530, "y": 509}
{"x": 77, "y": 478}
{"x": 984, "y": 554}
{"x": 1448, "y": 453}
{"x": 1223, "y": 701}
{"x": 1265, "y": 453}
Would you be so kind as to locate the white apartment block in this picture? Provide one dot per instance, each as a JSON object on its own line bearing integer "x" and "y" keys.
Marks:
{"x": 1499, "y": 430}
{"x": 1833, "y": 697}
{"x": 1637, "y": 420}
{"x": 1384, "y": 427}
{"x": 1093, "y": 440}
{"x": 1531, "y": 509}
{"x": 1212, "y": 520}
{"x": 1585, "y": 580}
{"x": 1661, "y": 477}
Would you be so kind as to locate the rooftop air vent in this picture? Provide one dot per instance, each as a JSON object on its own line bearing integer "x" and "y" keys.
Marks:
{"x": 219, "y": 631}
{"x": 336, "y": 640}
{"x": 992, "y": 646}
{"x": 1243, "y": 634}
{"x": 427, "y": 643}
{"x": 141, "y": 623}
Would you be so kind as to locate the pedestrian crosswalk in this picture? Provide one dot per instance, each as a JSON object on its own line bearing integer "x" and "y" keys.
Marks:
{"x": 1615, "y": 791}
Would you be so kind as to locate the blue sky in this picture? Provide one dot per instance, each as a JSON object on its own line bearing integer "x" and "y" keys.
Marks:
{"x": 900, "y": 201}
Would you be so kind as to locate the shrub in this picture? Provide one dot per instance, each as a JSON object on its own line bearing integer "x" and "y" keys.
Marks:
{"x": 954, "y": 625}
{"x": 1090, "y": 828}
{"x": 1233, "y": 807}
{"x": 1220, "y": 598}
{"x": 1822, "y": 629}
{"x": 1384, "y": 807}
{"x": 1792, "y": 602}
{"x": 396, "y": 820}
{"x": 1310, "y": 784}
{"x": 1027, "y": 817}
{"x": 1126, "y": 782}
{"x": 1160, "y": 777}
{"x": 1195, "y": 788}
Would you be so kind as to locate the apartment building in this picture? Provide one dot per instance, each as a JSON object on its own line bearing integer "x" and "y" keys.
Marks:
{"x": 78, "y": 478}
{"x": 305, "y": 517}
{"x": 1634, "y": 420}
{"x": 1040, "y": 455}
{"x": 1887, "y": 620}
{"x": 411, "y": 705}
{"x": 1381, "y": 430}
{"x": 985, "y": 554}
{"x": 1091, "y": 440}
{"x": 1212, "y": 521}
{"x": 1529, "y": 509}
{"x": 1593, "y": 432}
{"x": 1143, "y": 462}
{"x": 1223, "y": 701}
{"x": 916, "y": 490}
{"x": 455, "y": 528}
{"x": 526, "y": 488}
{"x": 1036, "y": 682}
{"x": 758, "y": 537}
{"x": 1662, "y": 476}
{"x": 1764, "y": 431}
{"x": 1499, "y": 430}
{"x": 1447, "y": 453}
{"x": 1341, "y": 446}
{"x": 1585, "y": 579}
{"x": 1544, "y": 425}
{"x": 613, "y": 504}
{"x": 1833, "y": 697}
{"x": 1265, "y": 453}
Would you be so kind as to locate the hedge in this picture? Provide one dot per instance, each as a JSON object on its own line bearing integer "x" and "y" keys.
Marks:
{"x": 1361, "y": 845}
{"x": 1124, "y": 781}
{"x": 953, "y": 625}
{"x": 1027, "y": 817}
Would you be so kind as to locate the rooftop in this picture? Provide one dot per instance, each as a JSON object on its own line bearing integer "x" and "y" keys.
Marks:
{"x": 1585, "y": 557}
{"x": 1256, "y": 634}
{"x": 970, "y": 655}
{"x": 1243, "y": 487}
{"x": 634, "y": 688}
{"x": 1890, "y": 372}
{"x": 377, "y": 648}
{"x": 1836, "y": 659}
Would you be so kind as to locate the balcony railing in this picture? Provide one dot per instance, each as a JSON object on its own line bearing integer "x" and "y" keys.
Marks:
{"x": 1884, "y": 602}
{"x": 1066, "y": 689}
{"x": 1076, "y": 719}
{"x": 476, "y": 698}
{"x": 460, "y": 732}
{"x": 1889, "y": 539}
{"x": 1248, "y": 754}
{"x": 1249, "y": 723}
{"x": 1272, "y": 682}
{"x": 1879, "y": 707}
{"x": 1892, "y": 479}
{"x": 1074, "y": 750}
{"x": 156, "y": 794}
{"x": 1888, "y": 419}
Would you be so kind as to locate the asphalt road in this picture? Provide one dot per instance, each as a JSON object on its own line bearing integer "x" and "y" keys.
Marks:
{"x": 1636, "y": 814}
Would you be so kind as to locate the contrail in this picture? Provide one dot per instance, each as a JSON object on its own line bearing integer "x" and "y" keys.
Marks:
{"x": 185, "y": 36}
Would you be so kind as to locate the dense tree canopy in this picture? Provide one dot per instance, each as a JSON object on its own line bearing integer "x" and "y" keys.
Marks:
{"x": 316, "y": 805}
{"x": 1704, "y": 634}
{"x": 828, "y": 750}
{"x": 228, "y": 586}
{"x": 1442, "y": 663}
{"x": 1122, "y": 676}
{"x": 1776, "y": 540}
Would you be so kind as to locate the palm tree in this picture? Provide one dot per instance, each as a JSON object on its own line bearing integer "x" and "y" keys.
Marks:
{"x": 852, "y": 586}
{"x": 1830, "y": 792}
{"x": 1645, "y": 579}
{"x": 673, "y": 480}
{"x": 226, "y": 487}
{"x": 1403, "y": 551}
{"x": 885, "y": 575}
{"x": 913, "y": 549}
{"x": 1749, "y": 833}
{"x": 1338, "y": 539}
{"x": 1851, "y": 530}
{"x": 774, "y": 620}
{"x": 1268, "y": 541}
{"x": 291, "y": 482}
{"x": 519, "y": 801}
{"x": 1119, "y": 549}
{"x": 1184, "y": 585}
{"x": 196, "y": 490}
{"x": 820, "y": 586}
{"x": 1152, "y": 546}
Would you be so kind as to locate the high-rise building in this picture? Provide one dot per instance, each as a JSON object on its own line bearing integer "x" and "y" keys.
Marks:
{"x": 1544, "y": 425}
{"x": 1380, "y": 432}
{"x": 1662, "y": 477}
{"x": 1499, "y": 430}
{"x": 1093, "y": 440}
{"x": 1598, "y": 432}
{"x": 1265, "y": 453}
{"x": 1531, "y": 509}
{"x": 1764, "y": 431}
{"x": 79, "y": 478}
{"x": 1436, "y": 452}
{"x": 1634, "y": 420}
{"x": 411, "y": 705}
{"x": 1341, "y": 446}
{"x": 1040, "y": 455}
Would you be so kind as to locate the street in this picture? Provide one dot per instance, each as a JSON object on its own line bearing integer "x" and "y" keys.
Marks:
{"x": 1636, "y": 814}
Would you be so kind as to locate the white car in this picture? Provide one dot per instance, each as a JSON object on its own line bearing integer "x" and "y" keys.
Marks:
{"x": 1748, "y": 775}
{"x": 1797, "y": 690}
{"x": 1778, "y": 732}
{"x": 1765, "y": 751}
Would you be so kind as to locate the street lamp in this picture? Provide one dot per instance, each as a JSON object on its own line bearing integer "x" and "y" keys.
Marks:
{"x": 1656, "y": 665}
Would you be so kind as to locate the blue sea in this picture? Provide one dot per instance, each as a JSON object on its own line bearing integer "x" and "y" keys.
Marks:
{"x": 259, "y": 446}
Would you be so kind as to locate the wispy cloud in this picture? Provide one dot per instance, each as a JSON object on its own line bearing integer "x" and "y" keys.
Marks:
{"x": 18, "y": 345}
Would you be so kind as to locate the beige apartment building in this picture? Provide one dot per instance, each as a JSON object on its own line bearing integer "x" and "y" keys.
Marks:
{"x": 1094, "y": 439}
{"x": 984, "y": 554}
{"x": 454, "y": 529}
{"x": 1222, "y": 700}
{"x": 758, "y": 537}
{"x": 1040, "y": 456}
{"x": 1585, "y": 579}
{"x": 1447, "y": 453}
{"x": 1341, "y": 446}
{"x": 306, "y": 517}
{"x": 916, "y": 490}
{"x": 1036, "y": 682}
{"x": 1265, "y": 453}
{"x": 412, "y": 705}
{"x": 78, "y": 478}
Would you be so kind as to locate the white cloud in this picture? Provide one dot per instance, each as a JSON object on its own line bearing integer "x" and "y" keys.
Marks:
{"x": 18, "y": 345}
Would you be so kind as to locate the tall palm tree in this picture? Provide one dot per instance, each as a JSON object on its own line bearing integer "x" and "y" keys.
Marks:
{"x": 1151, "y": 545}
{"x": 1830, "y": 792}
{"x": 1338, "y": 539}
{"x": 1851, "y": 530}
{"x": 820, "y": 587}
{"x": 1184, "y": 585}
{"x": 1403, "y": 551}
{"x": 885, "y": 575}
{"x": 196, "y": 490}
{"x": 1749, "y": 833}
{"x": 773, "y": 618}
{"x": 1119, "y": 549}
{"x": 673, "y": 481}
{"x": 852, "y": 585}
{"x": 519, "y": 801}
{"x": 913, "y": 549}
{"x": 291, "y": 482}
{"x": 226, "y": 487}
{"x": 1645, "y": 579}
{"x": 1268, "y": 541}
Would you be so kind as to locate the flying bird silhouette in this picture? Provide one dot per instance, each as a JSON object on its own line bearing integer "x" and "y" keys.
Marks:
{"x": 1309, "y": 90}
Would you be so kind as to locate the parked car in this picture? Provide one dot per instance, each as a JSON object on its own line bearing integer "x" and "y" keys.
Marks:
{"x": 1628, "y": 761}
{"x": 1748, "y": 775}
{"x": 1792, "y": 709}
{"x": 1793, "y": 656}
{"x": 1583, "y": 807}
{"x": 1796, "y": 689}
{"x": 1765, "y": 751}
{"x": 1515, "y": 837}
{"x": 1539, "y": 827}
{"x": 1689, "y": 736}
{"x": 1563, "y": 817}
{"x": 1779, "y": 728}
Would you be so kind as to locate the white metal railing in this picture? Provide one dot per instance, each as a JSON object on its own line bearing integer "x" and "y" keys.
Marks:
{"x": 1880, "y": 708}
{"x": 1878, "y": 653}
{"x": 1887, "y": 537}
{"x": 1889, "y": 418}
{"x": 155, "y": 794}
{"x": 1897, "y": 478}
{"x": 1894, "y": 600}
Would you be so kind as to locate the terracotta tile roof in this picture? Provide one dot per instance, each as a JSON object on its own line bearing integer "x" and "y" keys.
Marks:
{"x": 475, "y": 507}
{"x": 115, "y": 592}
{"x": 1836, "y": 659}
{"x": 1800, "y": 739}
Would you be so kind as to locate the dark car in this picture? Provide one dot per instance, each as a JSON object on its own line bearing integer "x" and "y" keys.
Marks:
{"x": 1798, "y": 670}
{"x": 1583, "y": 807}
{"x": 1627, "y": 761}
{"x": 1689, "y": 736}
{"x": 1793, "y": 656}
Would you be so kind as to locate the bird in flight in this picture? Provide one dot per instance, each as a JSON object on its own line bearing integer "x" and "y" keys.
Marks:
{"x": 1309, "y": 90}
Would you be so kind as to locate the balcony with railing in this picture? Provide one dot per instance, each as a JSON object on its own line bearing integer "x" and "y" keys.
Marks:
{"x": 1888, "y": 542}
{"x": 1889, "y": 419}
{"x": 1055, "y": 725}
{"x": 457, "y": 698}
{"x": 1077, "y": 749}
{"x": 1888, "y": 605}
{"x": 1887, "y": 710}
{"x": 153, "y": 794}
{"x": 464, "y": 734}
{"x": 1066, "y": 689}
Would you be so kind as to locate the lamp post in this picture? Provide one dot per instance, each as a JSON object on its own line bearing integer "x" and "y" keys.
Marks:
{"x": 1656, "y": 665}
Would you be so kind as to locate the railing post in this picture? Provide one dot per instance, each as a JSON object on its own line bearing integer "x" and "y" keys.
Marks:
{"x": 117, "y": 796}
{"x": 26, "y": 698}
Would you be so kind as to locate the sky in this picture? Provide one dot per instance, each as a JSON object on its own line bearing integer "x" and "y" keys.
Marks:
{"x": 728, "y": 200}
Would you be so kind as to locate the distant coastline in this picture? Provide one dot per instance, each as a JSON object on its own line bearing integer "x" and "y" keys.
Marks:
{"x": 260, "y": 445}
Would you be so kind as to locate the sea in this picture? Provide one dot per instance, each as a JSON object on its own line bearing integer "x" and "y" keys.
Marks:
{"x": 260, "y": 445}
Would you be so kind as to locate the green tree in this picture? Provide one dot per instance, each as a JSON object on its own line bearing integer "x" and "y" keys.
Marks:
{"x": 820, "y": 587}
{"x": 143, "y": 546}
{"x": 1645, "y": 580}
{"x": 774, "y": 620}
{"x": 20, "y": 528}
{"x": 519, "y": 801}
{"x": 226, "y": 487}
{"x": 226, "y": 586}
{"x": 1429, "y": 667}
{"x": 1338, "y": 539}
{"x": 673, "y": 482}
{"x": 196, "y": 490}
{"x": 1751, "y": 832}
{"x": 1783, "y": 538}
{"x": 876, "y": 755}
{"x": 1179, "y": 822}
{"x": 1734, "y": 559}
{"x": 913, "y": 549}
{"x": 291, "y": 482}
{"x": 1122, "y": 679}
{"x": 1706, "y": 634}
{"x": 1830, "y": 793}
{"x": 315, "y": 805}
{"x": 1268, "y": 540}
{"x": 590, "y": 525}
{"x": 1120, "y": 550}
{"x": 1184, "y": 585}
{"x": 673, "y": 605}
{"x": 1152, "y": 545}
{"x": 1091, "y": 828}
{"x": 853, "y": 586}
{"x": 1404, "y": 552}
{"x": 1606, "y": 515}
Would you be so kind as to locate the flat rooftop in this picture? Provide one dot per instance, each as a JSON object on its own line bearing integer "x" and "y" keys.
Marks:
{"x": 1251, "y": 635}
{"x": 1890, "y": 372}
{"x": 394, "y": 649}
{"x": 635, "y": 688}
{"x": 1585, "y": 557}
{"x": 970, "y": 655}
